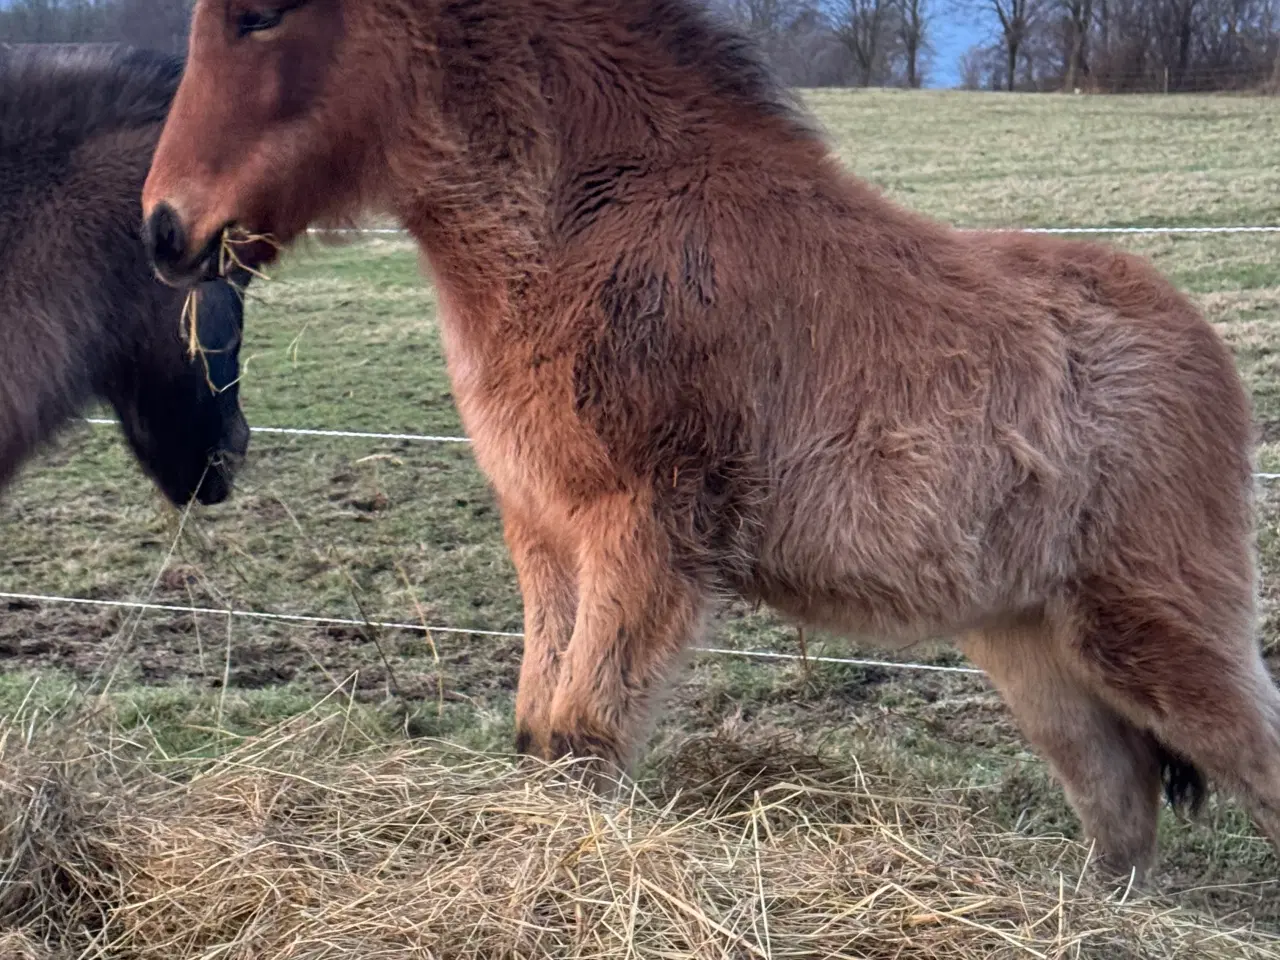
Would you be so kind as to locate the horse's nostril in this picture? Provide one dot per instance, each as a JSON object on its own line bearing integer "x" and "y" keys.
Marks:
{"x": 166, "y": 240}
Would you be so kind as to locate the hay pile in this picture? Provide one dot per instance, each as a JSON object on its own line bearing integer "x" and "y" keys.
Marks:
{"x": 299, "y": 846}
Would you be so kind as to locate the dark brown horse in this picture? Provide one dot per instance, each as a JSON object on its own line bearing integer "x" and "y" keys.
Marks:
{"x": 697, "y": 359}
{"x": 82, "y": 316}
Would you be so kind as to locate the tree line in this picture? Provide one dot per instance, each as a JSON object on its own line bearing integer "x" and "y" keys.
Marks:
{"x": 1129, "y": 45}
{"x": 1040, "y": 45}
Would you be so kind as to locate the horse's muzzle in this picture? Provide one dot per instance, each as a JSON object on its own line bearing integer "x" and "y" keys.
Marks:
{"x": 168, "y": 246}
{"x": 219, "y": 480}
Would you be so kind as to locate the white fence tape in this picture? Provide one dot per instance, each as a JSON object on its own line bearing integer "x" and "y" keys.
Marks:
{"x": 424, "y": 628}
{"x": 413, "y": 437}
{"x": 1230, "y": 228}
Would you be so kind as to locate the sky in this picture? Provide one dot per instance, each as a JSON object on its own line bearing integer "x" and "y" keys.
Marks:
{"x": 953, "y": 34}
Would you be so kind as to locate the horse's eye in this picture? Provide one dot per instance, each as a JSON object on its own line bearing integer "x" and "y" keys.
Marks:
{"x": 252, "y": 21}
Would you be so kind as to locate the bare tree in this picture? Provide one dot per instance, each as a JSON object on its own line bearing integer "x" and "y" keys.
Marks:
{"x": 912, "y": 17}
{"x": 158, "y": 24}
{"x": 1177, "y": 21}
{"x": 863, "y": 27}
{"x": 1016, "y": 22}
{"x": 1113, "y": 45}
{"x": 794, "y": 35}
{"x": 1079, "y": 18}
{"x": 974, "y": 67}
{"x": 768, "y": 21}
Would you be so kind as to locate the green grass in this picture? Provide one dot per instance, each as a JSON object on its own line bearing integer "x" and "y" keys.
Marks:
{"x": 344, "y": 338}
{"x": 1017, "y": 160}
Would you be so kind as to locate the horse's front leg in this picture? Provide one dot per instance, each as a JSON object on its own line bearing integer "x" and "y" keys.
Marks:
{"x": 547, "y": 574}
{"x": 635, "y": 614}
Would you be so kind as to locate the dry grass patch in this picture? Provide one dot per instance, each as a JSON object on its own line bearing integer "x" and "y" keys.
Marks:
{"x": 15, "y": 945}
{"x": 303, "y": 844}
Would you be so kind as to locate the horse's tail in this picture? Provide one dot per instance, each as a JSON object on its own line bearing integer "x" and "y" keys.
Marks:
{"x": 1185, "y": 786}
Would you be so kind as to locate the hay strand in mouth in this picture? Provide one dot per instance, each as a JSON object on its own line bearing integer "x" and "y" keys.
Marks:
{"x": 190, "y": 321}
{"x": 228, "y": 259}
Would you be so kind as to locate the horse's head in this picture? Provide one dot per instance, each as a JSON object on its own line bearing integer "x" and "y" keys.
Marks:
{"x": 181, "y": 415}
{"x": 279, "y": 106}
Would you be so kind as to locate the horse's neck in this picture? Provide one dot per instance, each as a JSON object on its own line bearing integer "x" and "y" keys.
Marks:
{"x": 531, "y": 104}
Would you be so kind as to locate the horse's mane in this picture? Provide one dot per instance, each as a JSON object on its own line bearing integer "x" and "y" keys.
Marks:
{"x": 733, "y": 62}
{"x": 695, "y": 35}
{"x": 59, "y": 96}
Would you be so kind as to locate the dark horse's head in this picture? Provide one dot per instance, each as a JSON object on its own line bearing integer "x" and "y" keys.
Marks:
{"x": 181, "y": 414}
{"x": 82, "y": 314}
{"x": 184, "y": 420}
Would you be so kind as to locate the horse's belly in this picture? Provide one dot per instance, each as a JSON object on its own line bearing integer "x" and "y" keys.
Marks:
{"x": 897, "y": 555}
{"x": 890, "y": 599}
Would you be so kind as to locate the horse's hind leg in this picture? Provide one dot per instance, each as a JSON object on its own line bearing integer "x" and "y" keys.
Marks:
{"x": 1186, "y": 667}
{"x": 1109, "y": 768}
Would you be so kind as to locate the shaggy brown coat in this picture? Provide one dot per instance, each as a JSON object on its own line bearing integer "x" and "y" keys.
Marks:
{"x": 699, "y": 359}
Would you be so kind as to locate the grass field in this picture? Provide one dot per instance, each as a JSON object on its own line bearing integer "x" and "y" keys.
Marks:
{"x": 344, "y": 338}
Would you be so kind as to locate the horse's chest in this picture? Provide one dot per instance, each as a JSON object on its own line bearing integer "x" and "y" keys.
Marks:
{"x": 525, "y": 434}
{"x": 511, "y": 426}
